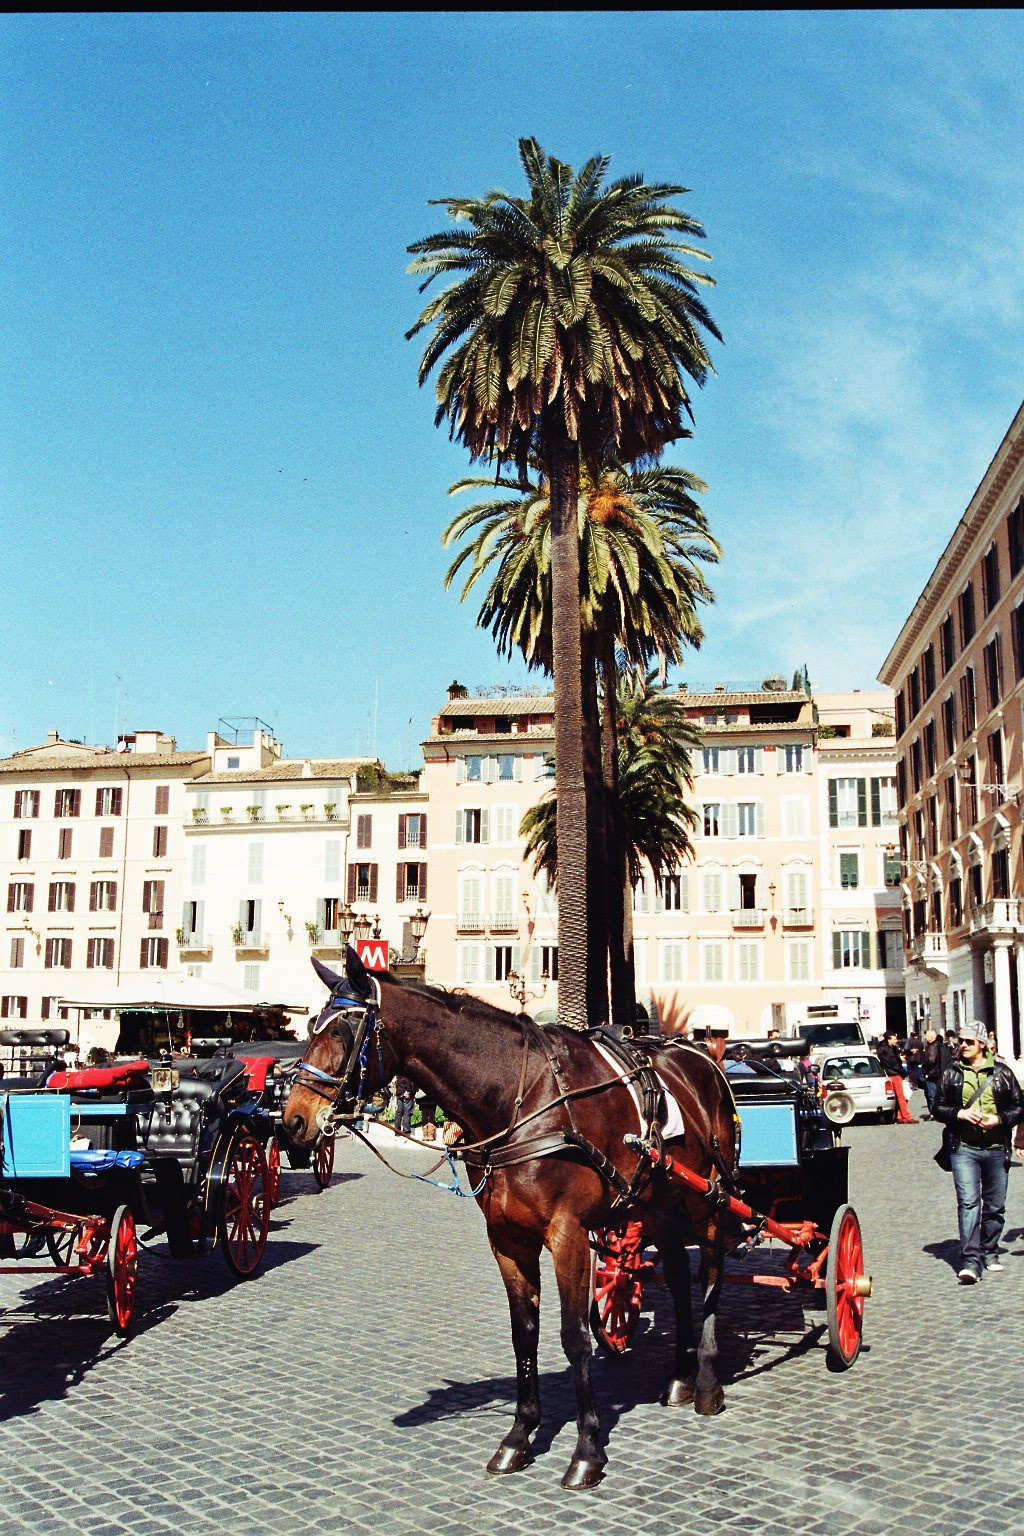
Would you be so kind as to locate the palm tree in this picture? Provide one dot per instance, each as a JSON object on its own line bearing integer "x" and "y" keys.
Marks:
{"x": 570, "y": 331}
{"x": 643, "y": 540}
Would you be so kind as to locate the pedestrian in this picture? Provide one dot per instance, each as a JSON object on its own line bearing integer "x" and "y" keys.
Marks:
{"x": 405, "y": 1097}
{"x": 914, "y": 1052}
{"x": 888, "y": 1053}
{"x": 429, "y": 1108}
{"x": 979, "y": 1103}
{"x": 935, "y": 1058}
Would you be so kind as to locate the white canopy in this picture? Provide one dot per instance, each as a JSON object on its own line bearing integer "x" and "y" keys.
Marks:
{"x": 171, "y": 994}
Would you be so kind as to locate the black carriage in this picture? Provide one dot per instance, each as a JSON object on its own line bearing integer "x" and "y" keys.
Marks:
{"x": 268, "y": 1067}
{"x": 792, "y": 1183}
{"x": 97, "y": 1159}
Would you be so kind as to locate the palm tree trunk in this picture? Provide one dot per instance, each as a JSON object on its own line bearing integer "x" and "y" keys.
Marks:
{"x": 620, "y": 943}
{"x": 563, "y": 476}
{"x": 599, "y": 885}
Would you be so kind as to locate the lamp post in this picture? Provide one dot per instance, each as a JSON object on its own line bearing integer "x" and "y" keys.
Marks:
{"x": 418, "y": 927}
{"x": 346, "y": 918}
{"x": 361, "y": 927}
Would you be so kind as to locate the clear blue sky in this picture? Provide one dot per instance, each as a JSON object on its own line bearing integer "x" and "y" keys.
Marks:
{"x": 221, "y": 487}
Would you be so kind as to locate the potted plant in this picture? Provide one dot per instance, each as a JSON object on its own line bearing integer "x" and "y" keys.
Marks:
{"x": 227, "y": 811}
{"x": 312, "y": 930}
{"x": 306, "y": 810}
{"x": 179, "y": 934}
{"x": 254, "y": 812}
{"x": 198, "y": 813}
{"x": 330, "y": 811}
{"x": 282, "y": 810}
{"x": 236, "y": 933}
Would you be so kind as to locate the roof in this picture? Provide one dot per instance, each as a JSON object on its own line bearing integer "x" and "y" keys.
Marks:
{"x": 93, "y": 759}
{"x": 517, "y": 704}
{"x": 722, "y": 700}
{"x": 294, "y": 771}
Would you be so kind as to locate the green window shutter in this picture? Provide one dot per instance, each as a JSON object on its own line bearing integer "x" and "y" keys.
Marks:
{"x": 865, "y": 950}
{"x": 833, "y": 803}
{"x": 876, "y": 803}
{"x": 837, "y": 951}
{"x": 862, "y": 802}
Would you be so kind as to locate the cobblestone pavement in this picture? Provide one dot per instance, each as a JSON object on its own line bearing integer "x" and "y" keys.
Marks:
{"x": 361, "y": 1381}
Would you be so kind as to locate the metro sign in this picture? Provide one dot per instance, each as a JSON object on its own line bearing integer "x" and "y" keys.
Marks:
{"x": 373, "y": 953}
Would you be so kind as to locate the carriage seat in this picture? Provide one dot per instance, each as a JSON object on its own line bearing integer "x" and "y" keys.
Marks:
{"x": 174, "y": 1128}
{"x": 102, "y": 1160}
{"x": 120, "y": 1074}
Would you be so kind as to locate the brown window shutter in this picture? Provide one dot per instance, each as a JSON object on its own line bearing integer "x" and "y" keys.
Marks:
{"x": 147, "y": 892}
{"x": 71, "y": 897}
{"x": 423, "y": 831}
{"x": 90, "y": 955}
{"x": 163, "y": 954}
{"x": 373, "y": 882}
{"x": 30, "y": 892}
{"x": 48, "y": 958}
{"x": 115, "y": 809}
{"x": 51, "y": 901}
{"x": 423, "y": 882}
{"x": 403, "y": 822}
{"x": 76, "y": 801}
{"x": 106, "y": 842}
{"x": 56, "y": 802}
{"x": 144, "y": 955}
{"x": 93, "y": 893}
{"x": 400, "y": 883}
{"x": 10, "y": 898}
{"x": 351, "y": 882}
{"x": 163, "y": 800}
{"x": 99, "y": 802}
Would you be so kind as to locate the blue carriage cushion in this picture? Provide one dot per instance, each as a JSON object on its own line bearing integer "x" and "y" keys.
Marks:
{"x": 102, "y": 1160}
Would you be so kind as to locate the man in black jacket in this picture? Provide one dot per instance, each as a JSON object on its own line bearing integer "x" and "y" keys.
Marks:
{"x": 935, "y": 1058}
{"x": 980, "y": 1102}
{"x": 888, "y": 1053}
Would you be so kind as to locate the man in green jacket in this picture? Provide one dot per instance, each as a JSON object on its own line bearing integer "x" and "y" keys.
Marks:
{"x": 979, "y": 1103}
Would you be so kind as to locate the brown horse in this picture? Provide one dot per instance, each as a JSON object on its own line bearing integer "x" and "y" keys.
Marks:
{"x": 550, "y": 1115}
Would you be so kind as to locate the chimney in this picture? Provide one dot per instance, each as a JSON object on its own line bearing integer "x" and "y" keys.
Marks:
{"x": 52, "y": 738}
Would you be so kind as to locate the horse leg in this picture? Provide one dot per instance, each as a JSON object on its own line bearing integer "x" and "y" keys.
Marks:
{"x": 709, "y": 1397}
{"x": 675, "y": 1263}
{"x": 570, "y": 1250}
{"x": 519, "y": 1264}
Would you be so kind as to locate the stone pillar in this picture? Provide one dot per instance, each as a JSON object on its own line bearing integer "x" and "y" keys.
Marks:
{"x": 1001, "y": 990}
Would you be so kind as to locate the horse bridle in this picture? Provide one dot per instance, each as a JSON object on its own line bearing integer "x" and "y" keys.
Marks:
{"x": 335, "y": 1089}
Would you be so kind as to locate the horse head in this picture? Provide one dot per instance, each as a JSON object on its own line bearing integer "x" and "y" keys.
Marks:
{"x": 343, "y": 1060}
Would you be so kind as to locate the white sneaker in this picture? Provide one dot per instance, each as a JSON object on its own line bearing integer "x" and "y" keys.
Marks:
{"x": 968, "y": 1277}
{"x": 993, "y": 1266}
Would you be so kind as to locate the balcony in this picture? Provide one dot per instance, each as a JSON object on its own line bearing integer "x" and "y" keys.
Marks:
{"x": 251, "y": 946}
{"x": 995, "y": 918}
{"x": 471, "y": 922}
{"x": 798, "y": 917}
{"x": 324, "y": 941}
{"x": 193, "y": 947}
{"x": 505, "y": 922}
{"x": 748, "y": 917}
{"x": 928, "y": 950}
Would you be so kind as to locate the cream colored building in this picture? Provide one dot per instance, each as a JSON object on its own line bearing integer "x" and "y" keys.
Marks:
{"x": 789, "y": 904}
{"x": 958, "y": 668}
{"x": 92, "y": 856}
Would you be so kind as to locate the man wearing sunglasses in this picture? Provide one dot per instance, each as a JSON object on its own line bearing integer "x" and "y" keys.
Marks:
{"x": 979, "y": 1103}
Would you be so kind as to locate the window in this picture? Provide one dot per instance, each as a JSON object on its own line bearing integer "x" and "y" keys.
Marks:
{"x": 192, "y": 921}
{"x": 162, "y": 800}
{"x": 671, "y": 892}
{"x": 234, "y": 762}
{"x": 747, "y": 892}
{"x": 990, "y": 578}
{"x": 884, "y": 805}
{"x": 99, "y": 954}
{"x": 412, "y": 831}
{"x": 26, "y": 804}
{"x": 851, "y": 950}
{"x": 14, "y": 1007}
{"x": 849, "y": 871}
{"x": 914, "y": 689}
{"x": 748, "y": 960}
{"x": 468, "y": 967}
{"x": 995, "y": 763}
{"x": 971, "y": 791}
{"x": 1000, "y": 874}
{"x": 544, "y": 963}
{"x": 470, "y": 914}
{"x": 364, "y": 831}
{"x": 956, "y": 903}
{"x": 673, "y": 961}
{"x": 506, "y": 768}
{"x": 967, "y": 701}
{"x": 472, "y": 826}
{"x": 17, "y": 954}
{"x": 160, "y": 842}
{"x": 797, "y": 908}
{"x": 251, "y": 978}
{"x": 993, "y": 664}
{"x": 249, "y": 914}
{"x": 901, "y": 714}
{"x": 108, "y": 801}
{"x": 891, "y": 868}
{"x": 153, "y": 902}
{"x": 106, "y": 842}
{"x": 947, "y": 644}
{"x": 798, "y": 952}
{"x": 966, "y": 606}
{"x": 64, "y": 837}
{"x": 749, "y": 819}
{"x": 1015, "y": 537}
{"x": 67, "y": 802}
{"x": 929, "y": 748}
{"x": 1017, "y": 638}
{"x": 974, "y": 879}
{"x": 710, "y": 760}
{"x": 847, "y": 803}
{"x": 255, "y": 864}
{"x": 712, "y": 960}
{"x": 712, "y": 819}
{"x": 949, "y": 724}
{"x": 793, "y": 759}
{"x": 504, "y": 824}
{"x": 58, "y": 955}
{"x": 153, "y": 955}
{"x": 198, "y": 864}
{"x": 794, "y": 816}
{"x": 20, "y": 894}
{"x": 503, "y": 962}
{"x": 952, "y": 827}
{"x": 711, "y": 885}
{"x": 746, "y": 760}
{"x": 928, "y": 672}
{"x": 62, "y": 896}
{"x": 332, "y": 861}
{"x": 411, "y": 882}
{"x": 362, "y": 882}
{"x": 474, "y": 770}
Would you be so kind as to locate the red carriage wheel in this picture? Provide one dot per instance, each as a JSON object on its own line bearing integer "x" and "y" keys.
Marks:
{"x": 243, "y": 1220}
{"x": 846, "y": 1286}
{"x": 618, "y": 1285}
{"x": 122, "y": 1269}
{"x": 323, "y": 1162}
{"x": 273, "y": 1170}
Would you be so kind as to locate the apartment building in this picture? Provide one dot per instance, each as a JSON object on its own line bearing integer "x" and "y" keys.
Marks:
{"x": 91, "y": 856}
{"x": 789, "y": 905}
{"x": 958, "y": 670}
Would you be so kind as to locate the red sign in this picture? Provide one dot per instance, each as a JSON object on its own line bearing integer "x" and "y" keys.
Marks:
{"x": 373, "y": 953}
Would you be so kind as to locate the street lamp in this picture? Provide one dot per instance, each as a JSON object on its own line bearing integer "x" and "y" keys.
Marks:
{"x": 346, "y": 918}
{"x": 418, "y": 927}
{"x": 361, "y": 927}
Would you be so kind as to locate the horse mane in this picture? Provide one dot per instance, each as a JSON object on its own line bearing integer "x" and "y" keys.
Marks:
{"x": 459, "y": 1002}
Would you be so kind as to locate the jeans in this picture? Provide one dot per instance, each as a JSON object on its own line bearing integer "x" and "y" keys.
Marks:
{"x": 403, "y": 1115}
{"x": 979, "y": 1177}
{"x": 931, "y": 1093}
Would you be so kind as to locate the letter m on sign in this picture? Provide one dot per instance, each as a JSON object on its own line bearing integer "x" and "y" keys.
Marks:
{"x": 373, "y": 953}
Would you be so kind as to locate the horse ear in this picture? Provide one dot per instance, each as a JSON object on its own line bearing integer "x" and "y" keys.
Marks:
{"x": 331, "y": 980}
{"x": 358, "y": 975}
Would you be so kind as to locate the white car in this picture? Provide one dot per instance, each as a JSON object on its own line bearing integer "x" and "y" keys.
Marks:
{"x": 859, "y": 1075}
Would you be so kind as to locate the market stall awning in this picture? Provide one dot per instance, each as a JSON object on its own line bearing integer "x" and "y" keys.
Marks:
{"x": 169, "y": 994}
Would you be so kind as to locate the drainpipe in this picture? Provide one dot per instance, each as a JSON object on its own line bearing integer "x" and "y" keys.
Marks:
{"x": 124, "y": 874}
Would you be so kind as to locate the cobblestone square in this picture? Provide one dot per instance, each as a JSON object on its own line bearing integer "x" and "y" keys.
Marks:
{"x": 361, "y": 1381}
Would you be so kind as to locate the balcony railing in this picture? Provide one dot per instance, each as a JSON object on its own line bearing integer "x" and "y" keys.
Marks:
{"x": 325, "y": 938}
{"x": 798, "y": 917}
{"x": 748, "y": 917}
{"x": 930, "y": 951}
{"x": 497, "y": 922}
{"x": 504, "y": 922}
{"x": 1003, "y": 916}
{"x": 471, "y": 922}
{"x": 193, "y": 943}
{"x": 248, "y": 940}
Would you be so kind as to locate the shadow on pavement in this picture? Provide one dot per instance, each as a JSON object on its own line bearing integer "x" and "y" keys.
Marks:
{"x": 947, "y": 1252}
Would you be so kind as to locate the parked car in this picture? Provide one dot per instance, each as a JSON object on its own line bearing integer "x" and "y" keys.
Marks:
{"x": 859, "y": 1075}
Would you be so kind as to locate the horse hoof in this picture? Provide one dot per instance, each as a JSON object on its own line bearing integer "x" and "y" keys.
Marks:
{"x": 583, "y": 1474}
{"x": 677, "y": 1394}
{"x": 709, "y": 1403}
{"x": 509, "y": 1458}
